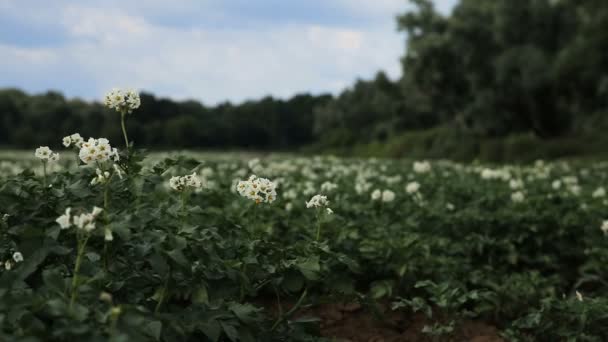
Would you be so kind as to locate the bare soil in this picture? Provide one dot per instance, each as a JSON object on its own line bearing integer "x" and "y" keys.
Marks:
{"x": 349, "y": 322}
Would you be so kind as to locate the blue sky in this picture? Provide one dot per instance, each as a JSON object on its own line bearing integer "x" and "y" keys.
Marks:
{"x": 209, "y": 50}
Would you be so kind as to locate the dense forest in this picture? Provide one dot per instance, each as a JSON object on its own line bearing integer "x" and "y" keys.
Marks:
{"x": 490, "y": 69}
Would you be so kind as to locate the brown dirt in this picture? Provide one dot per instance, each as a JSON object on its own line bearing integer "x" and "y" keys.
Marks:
{"x": 352, "y": 323}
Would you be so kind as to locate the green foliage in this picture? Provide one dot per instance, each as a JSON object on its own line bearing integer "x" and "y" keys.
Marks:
{"x": 204, "y": 265}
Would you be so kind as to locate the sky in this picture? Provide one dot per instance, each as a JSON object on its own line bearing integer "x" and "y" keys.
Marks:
{"x": 209, "y": 50}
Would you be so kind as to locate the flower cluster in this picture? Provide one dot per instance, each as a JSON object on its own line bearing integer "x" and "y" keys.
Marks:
{"x": 17, "y": 258}
{"x": 516, "y": 184}
{"x": 319, "y": 201}
{"x": 604, "y": 226}
{"x": 599, "y": 192}
{"x": 422, "y": 167}
{"x": 84, "y": 221}
{"x": 518, "y": 197}
{"x": 97, "y": 150}
{"x": 490, "y": 174}
{"x": 45, "y": 154}
{"x": 412, "y": 188}
{"x": 260, "y": 190}
{"x": 181, "y": 183}
{"x": 104, "y": 176}
{"x": 123, "y": 102}
{"x": 328, "y": 186}
{"x": 74, "y": 140}
{"x": 385, "y": 196}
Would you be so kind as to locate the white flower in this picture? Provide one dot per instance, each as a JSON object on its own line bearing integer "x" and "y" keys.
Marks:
{"x": 317, "y": 201}
{"x": 74, "y": 140}
{"x": 193, "y": 181}
{"x": 8, "y": 265}
{"x": 65, "y": 219}
{"x": 180, "y": 183}
{"x": 604, "y": 227}
{"x": 117, "y": 171}
{"x": 422, "y": 167}
{"x": 122, "y": 101}
{"x": 579, "y": 296}
{"x": 97, "y": 150}
{"x": 290, "y": 194}
{"x": 376, "y": 195}
{"x": 599, "y": 192}
{"x": 260, "y": 190}
{"x": 556, "y": 184}
{"x": 289, "y": 206}
{"x": 362, "y": 186}
{"x": 77, "y": 140}
{"x": 96, "y": 211}
{"x": 575, "y": 189}
{"x": 515, "y": 184}
{"x": 176, "y": 183}
{"x": 44, "y": 153}
{"x": 102, "y": 177}
{"x": 328, "y": 186}
{"x": 388, "y": 196}
{"x": 108, "y": 235}
{"x": 517, "y": 197}
{"x": 412, "y": 187}
{"x": 114, "y": 155}
{"x": 85, "y": 221}
{"x": 329, "y": 211}
{"x": 495, "y": 174}
{"x": 18, "y": 257}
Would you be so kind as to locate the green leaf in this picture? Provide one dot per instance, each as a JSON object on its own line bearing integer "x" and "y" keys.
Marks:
{"x": 310, "y": 267}
{"x": 200, "y": 295}
{"x": 153, "y": 329}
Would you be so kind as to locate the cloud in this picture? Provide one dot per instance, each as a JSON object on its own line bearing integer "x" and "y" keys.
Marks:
{"x": 118, "y": 43}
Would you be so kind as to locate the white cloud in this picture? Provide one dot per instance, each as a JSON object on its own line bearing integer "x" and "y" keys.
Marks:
{"x": 118, "y": 47}
{"x": 16, "y": 56}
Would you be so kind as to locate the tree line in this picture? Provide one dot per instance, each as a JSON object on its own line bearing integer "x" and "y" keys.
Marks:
{"x": 490, "y": 68}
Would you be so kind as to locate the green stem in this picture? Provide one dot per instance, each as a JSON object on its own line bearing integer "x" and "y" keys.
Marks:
{"x": 124, "y": 129}
{"x": 163, "y": 292}
{"x": 292, "y": 310}
{"x": 106, "y": 188}
{"x": 113, "y": 321}
{"x": 44, "y": 173}
{"x": 243, "y": 280}
{"x": 81, "y": 247}
{"x": 184, "y": 198}
{"x": 279, "y": 305}
{"x": 318, "y": 225}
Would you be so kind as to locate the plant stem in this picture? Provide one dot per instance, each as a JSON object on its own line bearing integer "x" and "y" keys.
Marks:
{"x": 243, "y": 278}
{"x": 81, "y": 247}
{"x": 279, "y": 305}
{"x": 44, "y": 172}
{"x": 183, "y": 198}
{"x": 163, "y": 292}
{"x": 124, "y": 129}
{"x": 106, "y": 188}
{"x": 318, "y": 225}
{"x": 292, "y": 310}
